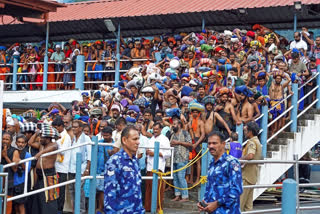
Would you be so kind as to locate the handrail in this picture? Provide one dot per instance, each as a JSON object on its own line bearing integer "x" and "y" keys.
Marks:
{"x": 47, "y": 154}
{"x": 273, "y": 107}
{"x": 268, "y": 161}
{"x": 280, "y": 116}
{"x": 61, "y": 72}
{"x": 306, "y": 109}
{"x": 88, "y": 61}
{"x": 308, "y": 94}
{"x": 279, "y": 131}
{"x": 47, "y": 188}
{"x": 258, "y": 118}
{"x": 121, "y": 60}
{"x": 262, "y": 211}
{"x": 304, "y": 84}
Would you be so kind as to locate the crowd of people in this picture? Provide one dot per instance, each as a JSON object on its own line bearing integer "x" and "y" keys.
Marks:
{"x": 183, "y": 88}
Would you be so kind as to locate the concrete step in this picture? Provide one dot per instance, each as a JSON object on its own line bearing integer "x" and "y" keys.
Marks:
{"x": 313, "y": 111}
{"x": 286, "y": 135}
{"x": 302, "y": 122}
{"x": 306, "y": 116}
{"x": 273, "y": 147}
{"x": 188, "y": 207}
{"x": 279, "y": 141}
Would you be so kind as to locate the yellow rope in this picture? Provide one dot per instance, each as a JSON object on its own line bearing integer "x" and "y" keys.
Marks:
{"x": 203, "y": 179}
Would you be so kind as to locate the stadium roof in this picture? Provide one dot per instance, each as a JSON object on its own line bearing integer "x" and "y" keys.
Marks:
{"x": 28, "y": 8}
{"x": 85, "y": 20}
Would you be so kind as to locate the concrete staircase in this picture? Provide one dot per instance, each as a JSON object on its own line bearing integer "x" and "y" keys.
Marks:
{"x": 282, "y": 148}
{"x": 286, "y": 145}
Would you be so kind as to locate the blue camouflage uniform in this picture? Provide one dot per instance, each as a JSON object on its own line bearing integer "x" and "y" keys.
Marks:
{"x": 122, "y": 185}
{"x": 224, "y": 185}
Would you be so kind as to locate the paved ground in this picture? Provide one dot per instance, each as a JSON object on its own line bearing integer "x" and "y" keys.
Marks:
{"x": 257, "y": 207}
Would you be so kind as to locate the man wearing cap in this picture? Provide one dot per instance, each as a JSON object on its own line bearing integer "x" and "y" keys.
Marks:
{"x": 115, "y": 109}
{"x": 46, "y": 202}
{"x": 245, "y": 108}
{"x": 297, "y": 66}
{"x": 58, "y": 57}
{"x": 151, "y": 96}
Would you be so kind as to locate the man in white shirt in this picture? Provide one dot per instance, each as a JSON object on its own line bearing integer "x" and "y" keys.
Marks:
{"x": 103, "y": 124}
{"x": 163, "y": 155}
{"x": 298, "y": 43}
{"x": 79, "y": 138}
{"x": 120, "y": 124}
{"x": 63, "y": 159}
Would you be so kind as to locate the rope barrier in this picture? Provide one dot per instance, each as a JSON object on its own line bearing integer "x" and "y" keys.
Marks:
{"x": 203, "y": 179}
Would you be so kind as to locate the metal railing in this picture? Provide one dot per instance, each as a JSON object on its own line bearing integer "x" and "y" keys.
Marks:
{"x": 79, "y": 73}
{"x": 296, "y": 163}
{"x": 92, "y": 176}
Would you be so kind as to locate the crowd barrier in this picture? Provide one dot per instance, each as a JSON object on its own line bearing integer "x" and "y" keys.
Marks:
{"x": 79, "y": 73}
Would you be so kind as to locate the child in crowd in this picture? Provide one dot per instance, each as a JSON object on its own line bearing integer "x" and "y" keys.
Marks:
{"x": 234, "y": 148}
{"x": 67, "y": 75}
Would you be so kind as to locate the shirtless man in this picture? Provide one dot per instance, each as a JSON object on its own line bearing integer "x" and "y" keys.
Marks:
{"x": 276, "y": 93}
{"x": 226, "y": 109}
{"x": 212, "y": 117}
{"x": 234, "y": 63}
{"x": 137, "y": 53}
{"x": 197, "y": 132}
{"x": 245, "y": 109}
{"x": 46, "y": 202}
{"x": 147, "y": 123}
{"x": 256, "y": 112}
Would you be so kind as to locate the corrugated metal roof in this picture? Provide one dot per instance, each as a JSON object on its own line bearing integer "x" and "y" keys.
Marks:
{"x": 130, "y": 8}
{"x": 85, "y": 20}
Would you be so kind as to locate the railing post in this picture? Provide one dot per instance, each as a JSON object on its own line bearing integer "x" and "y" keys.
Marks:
{"x": 80, "y": 72}
{"x": 14, "y": 75}
{"x": 294, "y": 112}
{"x": 318, "y": 90}
{"x": 203, "y": 23}
{"x": 93, "y": 172}
{"x": 78, "y": 184}
{"x": 1, "y": 185}
{"x": 45, "y": 73}
{"x": 264, "y": 134}
{"x": 45, "y": 65}
{"x": 296, "y": 175}
{"x": 289, "y": 196}
{"x": 204, "y": 169}
{"x": 155, "y": 178}
{"x": 295, "y": 22}
{"x": 117, "y": 74}
{"x": 239, "y": 130}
